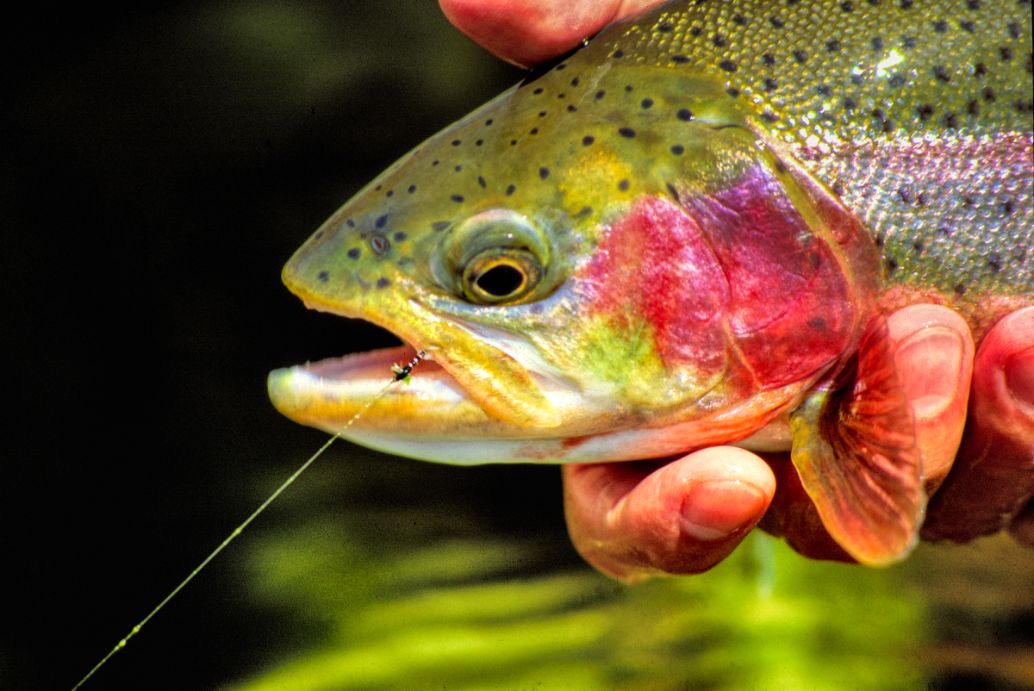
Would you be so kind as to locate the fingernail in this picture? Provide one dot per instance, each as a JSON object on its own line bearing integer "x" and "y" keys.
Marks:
{"x": 933, "y": 358}
{"x": 1019, "y": 377}
{"x": 714, "y": 510}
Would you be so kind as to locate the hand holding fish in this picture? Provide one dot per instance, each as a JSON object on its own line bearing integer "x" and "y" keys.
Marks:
{"x": 633, "y": 520}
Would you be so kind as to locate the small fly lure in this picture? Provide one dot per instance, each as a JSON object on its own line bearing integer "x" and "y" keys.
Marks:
{"x": 400, "y": 373}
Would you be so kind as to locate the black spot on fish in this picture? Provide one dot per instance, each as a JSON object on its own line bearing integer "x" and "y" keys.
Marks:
{"x": 1023, "y": 106}
{"x": 600, "y": 94}
{"x": 940, "y": 26}
{"x": 770, "y": 84}
{"x": 918, "y": 247}
{"x": 838, "y": 188}
{"x": 488, "y": 122}
{"x": 849, "y": 103}
{"x": 817, "y": 323}
{"x": 381, "y": 220}
{"x": 967, "y": 201}
{"x": 973, "y": 4}
{"x": 537, "y": 91}
{"x": 571, "y": 108}
{"x": 379, "y": 244}
{"x": 905, "y": 4}
{"x": 739, "y": 20}
{"x": 618, "y": 54}
{"x": 695, "y": 31}
{"x": 769, "y": 116}
{"x": 908, "y": 42}
{"x": 847, "y": 6}
{"x": 411, "y": 189}
{"x": 879, "y": 240}
{"x": 967, "y": 26}
{"x": 543, "y": 173}
{"x": 458, "y": 198}
{"x": 575, "y": 81}
{"x": 973, "y": 107}
{"x": 857, "y": 79}
{"x": 1008, "y": 207}
{"x": 1014, "y": 30}
{"x": 891, "y": 263}
{"x": 561, "y": 67}
{"x": 646, "y": 103}
{"x": 398, "y": 236}
{"x": 623, "y": 184}
{"x": 665, "y": 27}
{"x": 924, "y": 111}
{"x": 353, "y": 253}
{"x": 628, "y": 88}
{"x": 979, "y": 70}
{"x": 458, "y": 167}
{"x": 1006, "y": 53}
{"x": 951, "y": 121}
{"x": 323, "y": 276}
{"x": 542, "y": 113}
{"x": 733, "y": 91}
{"x": 383, "y": 282}
{"x": 561, "y": 95}
{"x": 510, "y": 189}
{"x": 959, "y": 289}
{"x": 777, "y": 22}
{"x": 439, "y": 226}
{"x": 768, "y": 59}
{"x": 823, "y": 90}
{"x": 989, "y": 94}
{"x": 905, "y": 193}
{"x": 684, "y": 114}
{"x": 513, "y": 142}
{"x": 435, "y": 162}
{"x": 941, "y": 72}
{"x": 456, "y": 142}
{"x": 627, "y": 132}
{"x": 390, "y": 193}
{"x": 678, "y": 149}
{"x": 727, "y": 65}
{"x": 897, "y": 81}
{"x": 481, "y": 182}
{"x": 350, "y": 223}
{"x": 994, "y": 262}
{"x": 588, "y": 139}
{"x": 800, "y": 56}
{"x": 583, "y": 212}
{"x": 533, "y": 130}
{"x": 877, "y": 43}
{"x": 833, "y": 45}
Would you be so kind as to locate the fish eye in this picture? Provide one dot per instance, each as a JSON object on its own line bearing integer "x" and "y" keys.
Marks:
{"x": 500, "y": 275}
{"x": 497, "y": 257}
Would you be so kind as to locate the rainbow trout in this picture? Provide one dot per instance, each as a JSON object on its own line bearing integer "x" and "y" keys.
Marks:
{"x": 687, "y": 233}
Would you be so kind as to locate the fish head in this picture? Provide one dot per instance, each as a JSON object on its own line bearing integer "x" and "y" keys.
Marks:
{"x": 605, "y": 262}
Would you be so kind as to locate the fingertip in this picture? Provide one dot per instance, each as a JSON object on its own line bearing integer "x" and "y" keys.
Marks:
{"x": 634, "y": 521}
{"x": 934, "y": 358}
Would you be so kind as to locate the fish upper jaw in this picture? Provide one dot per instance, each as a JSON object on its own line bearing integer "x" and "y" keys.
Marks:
{"x": 476, "y": 380}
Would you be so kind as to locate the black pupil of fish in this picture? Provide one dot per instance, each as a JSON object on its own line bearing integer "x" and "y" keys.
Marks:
{"x": 501, "y": 280}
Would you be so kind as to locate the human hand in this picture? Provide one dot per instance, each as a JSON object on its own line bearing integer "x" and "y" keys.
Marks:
{"x": 633, "y": 520}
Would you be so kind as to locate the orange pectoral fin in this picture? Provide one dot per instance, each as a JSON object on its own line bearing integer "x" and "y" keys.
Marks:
{"x": 856, "y": 455}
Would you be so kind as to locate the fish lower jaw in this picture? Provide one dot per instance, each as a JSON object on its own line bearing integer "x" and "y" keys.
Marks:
{"x": 364, "y": 394}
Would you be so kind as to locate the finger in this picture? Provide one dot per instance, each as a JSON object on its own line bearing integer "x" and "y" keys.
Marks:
{"x": 636, "y": 520}
{"x": 934, "y": 358}
{"x": 527, "y": 32}
{"x": 993, "y": 476}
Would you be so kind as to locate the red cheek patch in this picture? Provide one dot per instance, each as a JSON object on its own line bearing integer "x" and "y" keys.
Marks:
{"x": 735, "y": 271}
{"x": 791, "y": 310}
{"x": 655, "y": 265}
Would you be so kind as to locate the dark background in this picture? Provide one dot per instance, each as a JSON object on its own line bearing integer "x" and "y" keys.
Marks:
{"x": 162, "y": 165}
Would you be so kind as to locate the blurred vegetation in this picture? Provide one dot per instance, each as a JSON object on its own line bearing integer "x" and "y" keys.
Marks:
{"x": 420, "y": 595}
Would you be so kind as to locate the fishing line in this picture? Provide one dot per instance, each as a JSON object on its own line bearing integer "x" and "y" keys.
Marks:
{"x": 399, "y": 373}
